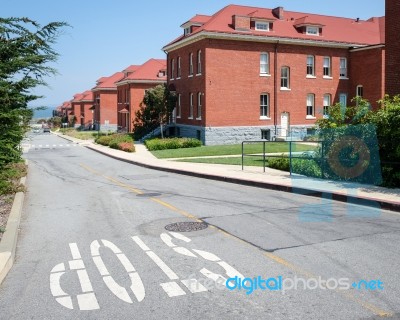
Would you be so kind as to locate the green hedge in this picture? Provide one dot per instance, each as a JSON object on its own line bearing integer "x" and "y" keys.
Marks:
{"x": 171, "y": 143}
{"x": 117, "y": 141}
{"x": 279, "y": 163}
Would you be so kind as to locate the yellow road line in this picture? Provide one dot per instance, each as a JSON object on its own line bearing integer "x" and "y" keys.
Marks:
{"x": 377, "y": 311}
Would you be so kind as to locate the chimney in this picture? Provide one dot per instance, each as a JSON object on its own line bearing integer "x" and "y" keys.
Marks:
{"x": 392, "y": 47}
{"x": 241, "y": 23}
{"x": 278, "y": 12}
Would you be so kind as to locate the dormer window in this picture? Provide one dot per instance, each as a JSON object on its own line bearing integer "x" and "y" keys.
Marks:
{"x": 187, "y": 31}
{"x": 314, "y": 31}
{"x": 262, "y": 26}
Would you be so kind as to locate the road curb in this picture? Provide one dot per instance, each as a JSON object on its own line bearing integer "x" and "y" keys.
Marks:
{"x": 8, "y": 242}
{"x": 329, "y": 195}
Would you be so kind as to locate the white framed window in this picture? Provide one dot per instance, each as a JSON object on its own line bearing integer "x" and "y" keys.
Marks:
{"x": 199, "y": 67}
{"x": 179, "y": 68}
{"x": 310, "y": 66}
{"x": 310, "y": 105}
{"x": 313, "y": 31}
{"x": 327, "y": 67}
{"x": 360, "y": 91}
{"x": 327, "y": 104}
{"x": 179, "y": 106}
{"x": 199, "y": 105}
{"x": 285, "y": 78}
{"x": 172, "y": 75}
{"x": 264, "y": 63}
{"x": 191, "y": 106}
{"x": 262, "y": 26}
{"x": 191, "y": 64}
{"x": 264, "y": 106}
{"x": 186, "y": 31}
{"x": 343, "y": 68}
{"x": 343, "y": 100}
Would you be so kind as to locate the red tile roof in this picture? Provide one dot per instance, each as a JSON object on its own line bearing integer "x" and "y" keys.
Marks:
{"x": 335, "y": 29}
{"x": 198, "y": 19}
{"x": 149, "y": 71}
{"x": 77, "y": 97}
{"x": 87, "y": 96}
{"x": 108, "y": 82}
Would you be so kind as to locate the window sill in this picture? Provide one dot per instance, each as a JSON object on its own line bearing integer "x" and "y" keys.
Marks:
{"x": 190, "y": 118}
{"x": 311, "y": 77}
{"x": 171, "y": 79}
{"x": 264, "y": 118}
{"x": 325, "y": 116}
{"x": 179, "y": 78}
{"x": 286, "y": 89}
{"x": 190, "y": 76}
{"x": 198, "y": 74}
{"x": 343, "y": 78}
{"x": 310, "y": 118}
{"x": 198, "y": 118}
{"x": 265, "y": 75}
{"x": 178, "y": 117}
{"x": 327, "y": 77}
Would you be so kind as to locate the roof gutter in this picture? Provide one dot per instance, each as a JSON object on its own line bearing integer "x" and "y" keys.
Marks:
{"x": 255, "y": 38}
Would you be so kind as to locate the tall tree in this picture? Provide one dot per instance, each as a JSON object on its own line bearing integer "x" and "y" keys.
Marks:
{"x": 25, "y": 54}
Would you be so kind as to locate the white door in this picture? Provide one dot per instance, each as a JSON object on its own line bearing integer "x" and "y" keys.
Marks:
{"x": 284, "y": 124}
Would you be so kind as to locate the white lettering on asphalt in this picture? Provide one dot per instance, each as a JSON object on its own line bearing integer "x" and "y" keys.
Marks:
{"x": 136, "y": 287}
{"x": 194, "y": 285}
{"x": 229, "y": 270}
{"x": 87, "y": 300}
{"x": 171, "y": 288}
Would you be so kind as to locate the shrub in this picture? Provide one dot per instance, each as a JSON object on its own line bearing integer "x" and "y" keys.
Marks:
{"x": 104, "y": 140}
{"x": 171, "y": 143}
{"x": 126, "y": 146}
{"x": 117, "y": 141}
{"x": 279, "y": 163}
{"x": 118, "y": 138}
{"x": 307, "y": 167}
{"x": 9, "y": 178}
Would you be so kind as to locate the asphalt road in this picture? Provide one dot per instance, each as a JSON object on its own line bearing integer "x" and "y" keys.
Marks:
{"x": 93, "y": 244}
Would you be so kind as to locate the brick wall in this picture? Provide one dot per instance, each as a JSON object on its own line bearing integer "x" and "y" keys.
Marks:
{"x": 108, "y": 109}
{"x": 367, "y": 69}
{"x": 392, "y": 43}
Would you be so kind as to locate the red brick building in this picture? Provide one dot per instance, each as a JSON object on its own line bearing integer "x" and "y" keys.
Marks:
{"x": 250, "y": 73}
{"x": 131, "y": 89}
{"x": 392, "y": 46}
{"x": 105, "y": 102}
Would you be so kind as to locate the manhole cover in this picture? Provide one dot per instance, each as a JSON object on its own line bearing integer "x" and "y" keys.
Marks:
{"x": 186, "y": 226}
{"x": 149, "y": 194}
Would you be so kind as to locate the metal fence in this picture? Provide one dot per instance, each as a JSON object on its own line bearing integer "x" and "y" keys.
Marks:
{"x": 291, "y": 152}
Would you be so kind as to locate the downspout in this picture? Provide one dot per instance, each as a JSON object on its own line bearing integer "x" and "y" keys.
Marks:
{"x": 276, "y": 88}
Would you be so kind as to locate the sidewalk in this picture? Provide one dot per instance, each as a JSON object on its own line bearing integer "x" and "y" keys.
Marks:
{"x": 388, "y": 199}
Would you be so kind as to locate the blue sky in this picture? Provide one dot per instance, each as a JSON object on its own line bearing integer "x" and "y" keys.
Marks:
{"x": 107, "y": 36}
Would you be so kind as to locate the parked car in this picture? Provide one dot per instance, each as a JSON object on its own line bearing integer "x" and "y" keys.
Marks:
{"x": 46, "y": 129}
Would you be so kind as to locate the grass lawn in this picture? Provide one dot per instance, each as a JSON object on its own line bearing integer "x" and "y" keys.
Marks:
{"x": 223, "y": 150}
{"x": 83, "y": 135}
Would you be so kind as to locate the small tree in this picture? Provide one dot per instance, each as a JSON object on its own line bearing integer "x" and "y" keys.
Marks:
{"x": 155, "y": 110}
